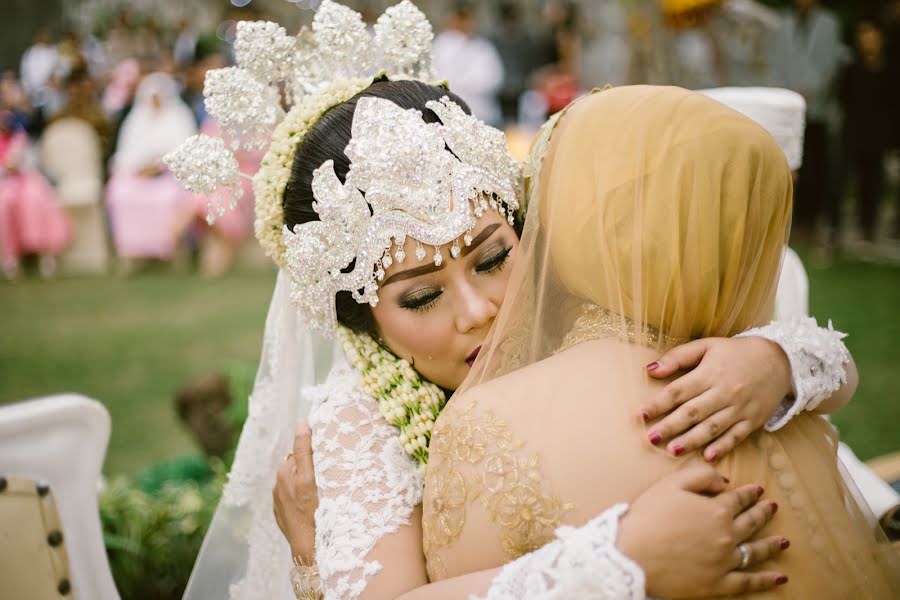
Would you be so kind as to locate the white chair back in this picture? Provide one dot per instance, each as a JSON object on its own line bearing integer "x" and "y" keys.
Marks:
{"x": 71, "y": 155}
{"x": 792, "y": 295}
{"x": 62, "y": 440}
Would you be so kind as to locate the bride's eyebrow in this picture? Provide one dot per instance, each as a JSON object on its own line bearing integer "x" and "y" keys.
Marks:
{"x": 410, "y": 273}
{"x": 431, "y": 268}
{"x": 485, "y": 234}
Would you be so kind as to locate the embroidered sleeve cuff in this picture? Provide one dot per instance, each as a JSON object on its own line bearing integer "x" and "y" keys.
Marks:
{"x": 818, "y": 359}
{"x": 582, "y": 562}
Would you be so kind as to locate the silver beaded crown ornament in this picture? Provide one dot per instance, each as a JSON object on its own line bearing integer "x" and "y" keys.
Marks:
{"x": 407, "y": 178}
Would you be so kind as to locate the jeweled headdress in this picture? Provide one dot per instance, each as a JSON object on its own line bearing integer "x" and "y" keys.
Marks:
{"x": 407, "y": 178}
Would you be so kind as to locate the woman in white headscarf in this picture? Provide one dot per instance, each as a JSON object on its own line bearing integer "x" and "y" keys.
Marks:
{"x": 146, "y": 204}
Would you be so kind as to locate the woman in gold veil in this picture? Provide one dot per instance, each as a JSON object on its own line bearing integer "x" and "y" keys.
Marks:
{"x": 656, "y": 216}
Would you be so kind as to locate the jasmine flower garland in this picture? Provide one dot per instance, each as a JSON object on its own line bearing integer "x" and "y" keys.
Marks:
{"x": 405, "y": 399}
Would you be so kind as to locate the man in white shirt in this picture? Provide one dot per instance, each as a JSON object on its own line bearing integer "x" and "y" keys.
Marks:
{"x": 37, "y": 66}
{"x": 470, "y": 64}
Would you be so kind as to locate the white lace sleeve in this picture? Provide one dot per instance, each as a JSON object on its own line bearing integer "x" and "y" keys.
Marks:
{"x": 368, "y": 486}
{"x": 583, "y": 562}
{"x": 818, "y": 361}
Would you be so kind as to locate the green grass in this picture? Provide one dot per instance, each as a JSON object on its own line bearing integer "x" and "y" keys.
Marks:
{"x": 864, "y": 301}
{"x": 131, "y": 342}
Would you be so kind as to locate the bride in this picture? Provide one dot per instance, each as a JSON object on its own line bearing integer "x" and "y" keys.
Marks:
{"x": 340, "y": 218}
{"x": 658, "y": 216}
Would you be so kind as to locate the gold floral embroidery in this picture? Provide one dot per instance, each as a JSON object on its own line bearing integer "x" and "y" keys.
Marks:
{"x": 475, "y": 458}
{"x": 515, "y": 500}
{"x": 596, "y": 322}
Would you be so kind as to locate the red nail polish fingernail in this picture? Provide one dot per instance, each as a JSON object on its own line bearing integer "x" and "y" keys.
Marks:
{"x": 760, "y": 491}
{"x": 712, "y": 458}
{"x": 645, "y": 416}
{"x": 653, "y": 366}
{"x": 781, "y": 580}
{"x": 677, "y": 449}
{"x": 784, "y": 543}
{"x": 726, "y": 480}
{"x": 774, "y": 507}
{"x": 654, "y": 438}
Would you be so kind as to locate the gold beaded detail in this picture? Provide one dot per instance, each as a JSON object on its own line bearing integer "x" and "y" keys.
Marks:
{"x": 596, "y": 322}
{"x": 305, "y": 582}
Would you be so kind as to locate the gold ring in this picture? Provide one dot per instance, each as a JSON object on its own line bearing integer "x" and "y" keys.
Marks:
{"x": 288, "y": 456}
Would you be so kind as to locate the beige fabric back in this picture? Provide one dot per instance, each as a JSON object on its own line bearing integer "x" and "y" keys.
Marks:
{"x": 33, "y": 559}
{"x": 71, "y": 156}
{"x": 60, "y": 440}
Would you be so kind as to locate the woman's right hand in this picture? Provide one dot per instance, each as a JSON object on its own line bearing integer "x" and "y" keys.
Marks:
{"x": 296, "y": 497}
{"x": 685, "y": 530}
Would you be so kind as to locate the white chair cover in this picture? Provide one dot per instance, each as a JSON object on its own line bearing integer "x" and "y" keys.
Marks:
{"x": 71, "y": 155}
{"x": 792, "y": 295}
{"x": 62, "y": 440}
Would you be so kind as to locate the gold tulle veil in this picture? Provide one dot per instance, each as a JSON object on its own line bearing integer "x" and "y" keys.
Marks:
{"x": 655, "y": 216}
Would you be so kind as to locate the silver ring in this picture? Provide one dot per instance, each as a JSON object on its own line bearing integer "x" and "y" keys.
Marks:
{"x": 745, "y": 555}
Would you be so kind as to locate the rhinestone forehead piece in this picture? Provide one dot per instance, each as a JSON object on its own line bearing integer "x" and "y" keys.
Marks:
{"x": 406, "y": 179}
{"x": 429, "y": 182}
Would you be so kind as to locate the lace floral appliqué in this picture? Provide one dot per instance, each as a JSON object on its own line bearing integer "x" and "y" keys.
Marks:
{"x": 368, "y": 486}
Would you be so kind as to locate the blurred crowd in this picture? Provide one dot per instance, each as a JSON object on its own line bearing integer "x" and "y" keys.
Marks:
{"x": 85, "y": 121}
{"x": 84, "y": 125}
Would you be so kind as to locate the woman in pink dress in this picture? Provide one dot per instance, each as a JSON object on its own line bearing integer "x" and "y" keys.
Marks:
{"x": 147, "y": 206}
{"x": 31, "y": 219}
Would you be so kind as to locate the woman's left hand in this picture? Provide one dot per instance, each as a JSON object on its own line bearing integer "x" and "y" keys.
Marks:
{"x": 731, "y": 389}
{"x": 295, "y": 497}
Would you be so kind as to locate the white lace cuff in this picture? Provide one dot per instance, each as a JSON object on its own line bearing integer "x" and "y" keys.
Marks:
{"x": 818, "y": 361}
{"x": 583, "y": 562}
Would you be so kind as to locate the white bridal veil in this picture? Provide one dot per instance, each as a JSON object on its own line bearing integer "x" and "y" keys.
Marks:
{"x": 244, "y": 555}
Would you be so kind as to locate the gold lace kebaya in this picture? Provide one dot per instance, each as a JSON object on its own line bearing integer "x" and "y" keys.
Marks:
{"x": 508, "y": 484}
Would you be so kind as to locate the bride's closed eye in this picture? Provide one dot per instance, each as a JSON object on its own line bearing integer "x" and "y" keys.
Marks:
{"x": 420, "y": 300}
{"x": 491, "y": 261}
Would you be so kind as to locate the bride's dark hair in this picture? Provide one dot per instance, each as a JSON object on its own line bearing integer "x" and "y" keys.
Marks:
{"x": 327, "y": 139}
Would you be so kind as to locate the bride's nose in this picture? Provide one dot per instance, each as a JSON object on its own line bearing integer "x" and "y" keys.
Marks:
{"x": 477, "y": 309}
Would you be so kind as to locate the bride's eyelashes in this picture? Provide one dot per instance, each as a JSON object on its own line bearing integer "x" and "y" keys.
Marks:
{"x": 420, "y": 300}
{"x": 492, "y": 261}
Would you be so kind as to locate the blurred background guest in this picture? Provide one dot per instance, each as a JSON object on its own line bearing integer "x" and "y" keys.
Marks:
{"x": 145, "y": 202}
{"x": 808, "y": 53}
{"x": 81, "y": 101}
{"x": 515, "y": 46}
{"x": 470, "y": 63}
{"x": 38, "y": 65}
{"x": 867, "y": 92}
{"x": 31, "y": 220}
{"x": 185, "y": 46}
{"x": 697, "y": 58}
{"x": 559, "y": 54}
{"x": 606, "y": 53}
